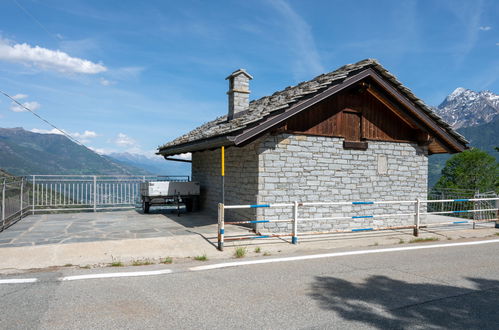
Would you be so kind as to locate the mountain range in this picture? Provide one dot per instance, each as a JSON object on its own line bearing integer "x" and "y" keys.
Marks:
{"x": 24, "y": 153}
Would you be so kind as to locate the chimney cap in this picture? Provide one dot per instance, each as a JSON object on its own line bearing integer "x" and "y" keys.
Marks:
{"x": 239, "y": 72}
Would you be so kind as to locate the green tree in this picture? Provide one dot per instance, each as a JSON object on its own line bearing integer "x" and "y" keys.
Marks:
{"x": 472, "y": 169}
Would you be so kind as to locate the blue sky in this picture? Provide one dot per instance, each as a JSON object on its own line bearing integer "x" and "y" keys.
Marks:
{"x": 131, "y": 75}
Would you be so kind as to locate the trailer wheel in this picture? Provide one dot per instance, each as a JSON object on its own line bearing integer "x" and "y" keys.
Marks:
{"x": 188, "y": 204}
{"x": 145, "y": 206}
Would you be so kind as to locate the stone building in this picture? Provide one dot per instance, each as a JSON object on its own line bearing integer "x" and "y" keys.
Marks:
{"x": 354, "y": 134}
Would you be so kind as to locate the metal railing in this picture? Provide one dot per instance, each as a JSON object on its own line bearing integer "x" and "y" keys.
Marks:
{"x": 15, "y": 201}
{"x": 423, "y": 209}
{"x": 88, "y": 192}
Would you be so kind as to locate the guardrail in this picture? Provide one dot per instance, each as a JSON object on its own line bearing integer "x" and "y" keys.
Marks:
{"x": 88, "y": 192}
{"x": 14, "y": 203}
{"x": 491, "y": 214}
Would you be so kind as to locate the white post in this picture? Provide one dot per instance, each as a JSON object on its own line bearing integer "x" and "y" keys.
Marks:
{"x": 95, "y": 193}
{"x": 22, "y": 191}
{"x": 221, "y": 229}
{"x": 497, "y": 214}
{"x": 294, "y": 239}
{"x": 416, "y": 218}
{"x": 3, "y": 204}
{"x": 33, "y": 191}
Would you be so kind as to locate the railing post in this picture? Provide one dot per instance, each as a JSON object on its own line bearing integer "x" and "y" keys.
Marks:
{"x": 221, "y": 226}
{"x": 95, "y": 193}
{"x": 33, "y": 192}
{"x": 3, "y": 204}
{"x": 22, "y": 191}
{"x": 416, "y": 218}
{"x": 294, "y": 239}
{"x": 497, "y": 214}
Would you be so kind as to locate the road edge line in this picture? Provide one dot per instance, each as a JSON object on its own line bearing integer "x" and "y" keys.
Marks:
{"x": 336, "y": 254}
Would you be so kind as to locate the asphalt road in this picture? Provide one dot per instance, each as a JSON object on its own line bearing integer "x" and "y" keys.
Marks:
{"x": 451, "y": 288}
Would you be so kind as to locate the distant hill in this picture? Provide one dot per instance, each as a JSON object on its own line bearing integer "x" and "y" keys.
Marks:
{"x": 155, "y": 164}
{"x": 24, "y": 153}
{"x": 475, "y": 115}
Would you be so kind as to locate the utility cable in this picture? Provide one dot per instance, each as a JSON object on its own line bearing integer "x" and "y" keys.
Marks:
{"x": 63, "y": 132}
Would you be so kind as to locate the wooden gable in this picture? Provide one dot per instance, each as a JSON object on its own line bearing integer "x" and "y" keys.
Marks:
{"x": 360, "y": 113}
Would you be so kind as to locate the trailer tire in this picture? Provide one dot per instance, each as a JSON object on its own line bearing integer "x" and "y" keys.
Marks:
{"x": 188, "y": 204}
{"x": 145, "y": 206}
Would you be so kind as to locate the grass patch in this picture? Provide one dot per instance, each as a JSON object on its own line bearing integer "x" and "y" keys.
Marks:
{"x": 266, "y": 254}
{"x": 258, "y": 250}
{"x": 86, "y": 267}
{"x": 68, "y": 265}
{"x": 240, "y": 252}
{"x": 167, "y": 260}
{"x": 421, "y": 240}
{"x": 201, "y": 258}
{"x": 401, "y": 241}
{"x": 497, "y": 234}
{"x": 143, "y": 262}
{"x": 116, "y": 263}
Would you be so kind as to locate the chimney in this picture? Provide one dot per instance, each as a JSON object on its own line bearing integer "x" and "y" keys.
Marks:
{"x": 238, "y": 92}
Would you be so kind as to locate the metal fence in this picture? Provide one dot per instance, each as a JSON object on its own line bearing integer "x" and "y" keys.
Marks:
{"x": 15, "y": 201}
{"x": 88, "y": 192}
{"x": 488, "y": 208}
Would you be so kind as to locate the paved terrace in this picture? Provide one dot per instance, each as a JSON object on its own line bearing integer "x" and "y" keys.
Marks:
{"x": 41, "y": 229}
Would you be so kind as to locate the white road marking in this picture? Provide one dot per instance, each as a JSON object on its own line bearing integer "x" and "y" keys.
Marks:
{"x": 111, "y": 275}
{"x": 18, "y": 280}
{"x": 337, "y": 254}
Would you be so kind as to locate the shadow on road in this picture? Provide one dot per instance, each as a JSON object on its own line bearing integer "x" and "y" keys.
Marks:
{"x": 387, "y": 303}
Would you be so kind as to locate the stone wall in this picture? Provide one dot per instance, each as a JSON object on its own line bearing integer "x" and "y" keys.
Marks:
{"x": 312, "y": 169}
{"x": 286, "y": 168}
{"x": 241, "y": 179}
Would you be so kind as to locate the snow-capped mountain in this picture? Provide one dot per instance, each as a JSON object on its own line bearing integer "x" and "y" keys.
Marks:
{"x": 466, "y": 108}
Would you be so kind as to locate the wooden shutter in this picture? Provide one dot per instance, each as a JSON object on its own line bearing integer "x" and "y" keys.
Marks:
{"x": 352, "y": 129}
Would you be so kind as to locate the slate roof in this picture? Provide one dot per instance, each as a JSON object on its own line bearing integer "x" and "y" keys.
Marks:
{"x": 275, "y": 103}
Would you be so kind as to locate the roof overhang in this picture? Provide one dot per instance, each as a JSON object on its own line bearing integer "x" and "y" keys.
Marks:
{"x": 199, "y": 145}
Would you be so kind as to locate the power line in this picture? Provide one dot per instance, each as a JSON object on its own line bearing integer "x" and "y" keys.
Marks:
{"x": 46, "y": 121}
{"x": 62, "y": 131}
{"x": 34, "y": 19}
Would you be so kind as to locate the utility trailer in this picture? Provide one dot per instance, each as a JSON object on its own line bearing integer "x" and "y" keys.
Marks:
{"x": 170, "y": 193}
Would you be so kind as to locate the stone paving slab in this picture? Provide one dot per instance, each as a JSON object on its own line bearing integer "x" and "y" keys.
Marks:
{"x": 42, "y": 229}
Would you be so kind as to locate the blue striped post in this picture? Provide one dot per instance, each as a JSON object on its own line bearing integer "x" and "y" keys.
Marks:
{"x": 416, "y": 218}
{"x": 294, "y": 239}
{"x": 221, "y": 229}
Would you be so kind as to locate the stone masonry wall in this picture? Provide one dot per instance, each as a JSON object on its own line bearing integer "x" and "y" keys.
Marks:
{"x": 241, "y": 179}
{"x": 313, "y": 169}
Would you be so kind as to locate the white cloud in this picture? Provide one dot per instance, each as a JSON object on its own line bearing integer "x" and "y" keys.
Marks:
{"x": 124, "y": 140}
{"x": 105, "y": 82}
{"x": 19, "y": 96}
{"x": 32, "y": 105}
{"x": 82, "y": 137}
{"x": 101, "y": 151}
{"x": 307, "y": 59}
{"x": 485, "y": 28}
{"x": 186, "y": 156}
{"x": 497, "y": 43}
{"x": 47, "y": 59}
{"x": 46, "y": 131}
